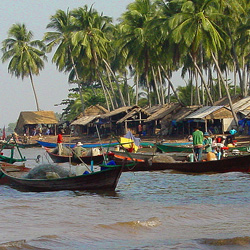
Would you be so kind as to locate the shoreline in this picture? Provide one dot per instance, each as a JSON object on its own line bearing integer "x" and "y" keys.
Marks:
{"x": 92, "y": 139}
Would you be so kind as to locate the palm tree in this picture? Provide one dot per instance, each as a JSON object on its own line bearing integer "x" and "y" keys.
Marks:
{"x": 194, "y": 27}
{"x": 62, "y": 24}
{"x": 26, "y": 55}
{"x": 135, "y": 41}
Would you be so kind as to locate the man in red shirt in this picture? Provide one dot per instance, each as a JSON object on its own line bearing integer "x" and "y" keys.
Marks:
{"x": 59, "y": 142}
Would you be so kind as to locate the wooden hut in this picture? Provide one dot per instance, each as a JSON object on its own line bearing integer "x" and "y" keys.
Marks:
{"x": 154, "y": 121}
{"x": 85, "y": 123}
{"x": 220, "y": 118}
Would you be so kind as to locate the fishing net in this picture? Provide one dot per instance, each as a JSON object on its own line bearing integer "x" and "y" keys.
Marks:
{"x": 41, "y": 171}
{"x": 65, "y": 151}
{"x": 163, "y": 158}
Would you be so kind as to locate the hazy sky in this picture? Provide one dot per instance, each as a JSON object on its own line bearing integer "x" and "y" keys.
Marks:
{"x": 51, "y": 86}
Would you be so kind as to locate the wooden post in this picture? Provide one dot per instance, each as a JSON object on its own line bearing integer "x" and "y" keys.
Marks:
{"x": 205, "y": 125}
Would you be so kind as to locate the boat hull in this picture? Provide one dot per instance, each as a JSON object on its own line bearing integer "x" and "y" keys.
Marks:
{"x": 231, "y": 164}
{"x": 97, "y": 159}
{"x": 106, "y": 179}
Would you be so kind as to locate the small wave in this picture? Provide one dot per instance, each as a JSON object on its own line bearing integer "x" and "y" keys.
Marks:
{"x": 240, "y": 241}
{"x": 133, "y": 225}
{"x": 13, "y": 244}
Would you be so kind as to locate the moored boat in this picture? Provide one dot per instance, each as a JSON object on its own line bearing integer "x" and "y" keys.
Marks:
{"x": 231, "y": 164}
{"x": 105, "y": 179}
{"x": 88, "y": 159}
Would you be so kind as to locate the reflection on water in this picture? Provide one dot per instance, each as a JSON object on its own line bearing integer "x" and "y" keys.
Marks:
{"x": 148, "y": 210}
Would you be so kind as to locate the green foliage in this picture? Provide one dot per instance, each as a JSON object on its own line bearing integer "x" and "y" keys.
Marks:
{"x": 11, "y": 127}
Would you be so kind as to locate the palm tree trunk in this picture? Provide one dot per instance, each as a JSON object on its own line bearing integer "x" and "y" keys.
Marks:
{"x": 111, "y": 87}
{"x": 104, "y": 91}
{"x": 227, "y": 91}
{"x": 137, "y": 89}
{"x": 34, "y": 91}
{"x": 171, "y": 85}
{"x": 202, "y": 78}
{"x": 197, "y": 100}
{"x": 117, "y": 83}
{"x": 78, "y": 83}
{"x": 161, "y": 86}
{"x": 148, "y": 90}
{"x": 156, "y": 87}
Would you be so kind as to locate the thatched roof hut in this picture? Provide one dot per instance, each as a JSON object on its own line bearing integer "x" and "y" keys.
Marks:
{"x": 34, "y": 118}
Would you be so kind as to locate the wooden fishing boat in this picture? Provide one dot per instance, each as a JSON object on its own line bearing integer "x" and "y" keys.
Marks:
{"x": 189, "y": 149}
{"x": 231, "y": 164}
{"x": 88, "y": 159}
{"x": 72, "y": 145}
{"x": 105, "y": 179}
{"x": 177, "y": 156}
{"x": 11, "y": 159}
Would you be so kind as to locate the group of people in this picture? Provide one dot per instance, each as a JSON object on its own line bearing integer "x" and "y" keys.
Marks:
{"x": 202, "y": 142}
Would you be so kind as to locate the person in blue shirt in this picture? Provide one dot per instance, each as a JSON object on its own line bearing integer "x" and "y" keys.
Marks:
{"x": 207, "y": 143}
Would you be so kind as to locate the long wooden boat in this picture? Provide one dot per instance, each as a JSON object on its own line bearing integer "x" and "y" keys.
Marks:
{"x": 177, "y": 156}
{"x": 105, "y": 179}
{"x": 96, "y": 159}
{"x": 71, "y": 145}
{"x": 231, "y": 164}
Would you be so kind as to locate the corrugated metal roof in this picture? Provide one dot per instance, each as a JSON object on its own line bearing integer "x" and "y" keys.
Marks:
{"x": 242, "y": 104}
{"x": 203, "y": 112}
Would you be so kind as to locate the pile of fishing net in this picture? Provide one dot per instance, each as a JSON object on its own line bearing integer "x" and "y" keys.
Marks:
{"x": 47, "y": 171}
{"x": 65, "y": 151}
{"x": 163, "y": 158}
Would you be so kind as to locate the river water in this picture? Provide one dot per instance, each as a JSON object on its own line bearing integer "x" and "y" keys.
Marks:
{"x": 148, "y": 210}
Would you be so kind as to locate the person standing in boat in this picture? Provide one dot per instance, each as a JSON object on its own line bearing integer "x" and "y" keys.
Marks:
{"x": 207, "y": 143}
{"x": 197, "y": 143}
{"x": 60, "y": 142}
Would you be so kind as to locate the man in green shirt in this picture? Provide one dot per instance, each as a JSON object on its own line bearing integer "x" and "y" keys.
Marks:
{"x": 197, "y": 143}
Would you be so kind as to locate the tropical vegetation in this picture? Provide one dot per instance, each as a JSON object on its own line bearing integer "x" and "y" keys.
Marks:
{"x": 207, "y": 42}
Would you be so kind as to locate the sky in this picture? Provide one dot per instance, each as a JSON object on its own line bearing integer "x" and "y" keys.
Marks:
{"x": 52, "y": 86}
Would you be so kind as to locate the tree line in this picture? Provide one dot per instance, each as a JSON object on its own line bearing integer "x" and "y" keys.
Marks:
{"x": 205, "y": 41}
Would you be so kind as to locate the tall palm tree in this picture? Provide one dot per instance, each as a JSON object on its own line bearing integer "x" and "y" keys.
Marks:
{"x": 61, "y": 37}
{"x": 26, "y": 55}
{"x": 135, "y": 41}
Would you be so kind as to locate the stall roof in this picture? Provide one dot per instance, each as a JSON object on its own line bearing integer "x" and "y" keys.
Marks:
{"x": 85, "y": 120}
{"x": 132, "y": 113}
{"x": 118, "y": 111}
{"x": 184, "y": 112}
{"x": 203, "y": 112}
{"x": 163, "y": 111}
